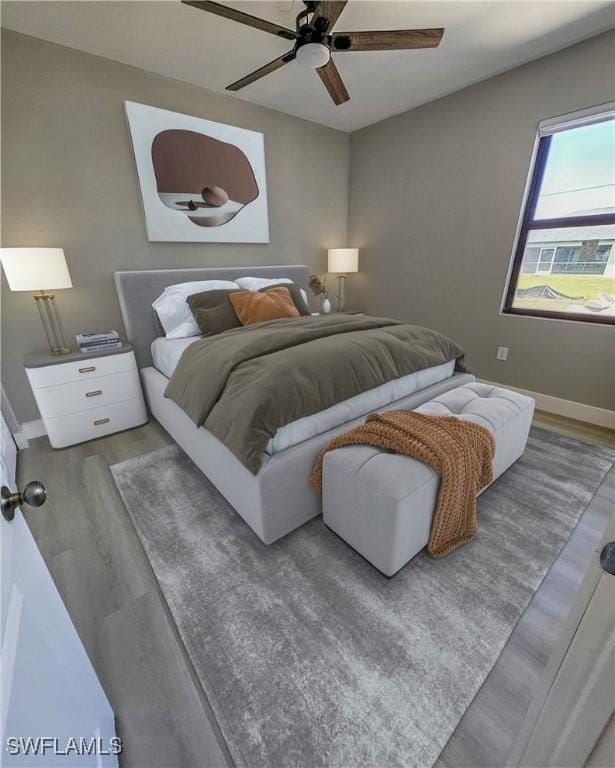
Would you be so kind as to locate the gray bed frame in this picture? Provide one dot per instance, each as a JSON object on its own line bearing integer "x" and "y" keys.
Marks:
{"x": 278, "y": 499}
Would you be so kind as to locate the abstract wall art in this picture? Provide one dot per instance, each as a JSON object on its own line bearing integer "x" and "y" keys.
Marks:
{"x": 200, "y": 181}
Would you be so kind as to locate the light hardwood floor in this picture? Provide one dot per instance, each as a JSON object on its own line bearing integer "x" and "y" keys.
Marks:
{"x": 104, "y": 577}
{"x": 574, "y": 428}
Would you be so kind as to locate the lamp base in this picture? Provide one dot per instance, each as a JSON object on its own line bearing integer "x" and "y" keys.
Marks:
{"x": 341, "y": 292}
{"x": 45, "y": 303}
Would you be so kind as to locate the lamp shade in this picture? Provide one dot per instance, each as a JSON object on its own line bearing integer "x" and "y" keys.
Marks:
{"x": 343, "y": 260}
{"x": 35, "y": 269}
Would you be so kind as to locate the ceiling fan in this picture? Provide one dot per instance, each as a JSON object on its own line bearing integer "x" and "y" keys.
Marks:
{"x": 314, "y": 41}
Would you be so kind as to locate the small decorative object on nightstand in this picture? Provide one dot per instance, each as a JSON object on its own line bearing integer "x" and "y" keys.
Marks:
{"x": 42, "y": 270}
{"x": 343, "y": 261}
{"x": 319, "y": 288}
{"x": 82, "y": 397}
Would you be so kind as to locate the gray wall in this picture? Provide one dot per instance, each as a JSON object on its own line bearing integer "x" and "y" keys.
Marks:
{"x": 434, "y": 200}
{"x": 69, "y": 180}
{"x": 435, "y": 196}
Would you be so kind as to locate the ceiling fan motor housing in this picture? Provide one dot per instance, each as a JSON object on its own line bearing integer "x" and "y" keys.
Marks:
{"x": 315, "y": 31}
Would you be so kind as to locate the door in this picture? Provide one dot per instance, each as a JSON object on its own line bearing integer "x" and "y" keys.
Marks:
{"x": 576, "y": 699}
{"x": 54, "y": 711}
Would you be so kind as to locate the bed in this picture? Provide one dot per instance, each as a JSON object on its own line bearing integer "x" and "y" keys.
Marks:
{"x": 276, "y": 499}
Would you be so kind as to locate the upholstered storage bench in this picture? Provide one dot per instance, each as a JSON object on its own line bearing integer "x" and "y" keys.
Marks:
{"x": 382, "y": 503}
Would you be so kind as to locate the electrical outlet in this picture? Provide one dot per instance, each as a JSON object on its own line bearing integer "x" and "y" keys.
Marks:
{"x": 502, "y": 353}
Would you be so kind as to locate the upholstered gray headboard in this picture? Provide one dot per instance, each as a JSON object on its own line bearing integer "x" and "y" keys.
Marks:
{"x": 137, "y": 290}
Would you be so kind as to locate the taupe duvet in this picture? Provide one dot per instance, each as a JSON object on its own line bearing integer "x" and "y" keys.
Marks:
{"x": 246, "y": 383}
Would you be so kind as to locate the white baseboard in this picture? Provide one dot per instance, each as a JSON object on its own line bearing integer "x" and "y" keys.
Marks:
{"x": 21, "y": 441}
{"x": 32, "y": 429}
{"x": 591, "y": 414}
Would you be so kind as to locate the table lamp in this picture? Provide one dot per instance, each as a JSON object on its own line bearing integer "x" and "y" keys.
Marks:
{"x": 343, "y": 261}
{"x": 40, "y": 270}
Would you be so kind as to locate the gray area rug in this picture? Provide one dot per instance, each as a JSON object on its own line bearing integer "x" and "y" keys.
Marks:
{"x": 309, "y": 656}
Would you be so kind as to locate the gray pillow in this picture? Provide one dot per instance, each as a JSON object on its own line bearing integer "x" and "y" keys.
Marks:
{"x": 295, "y": 294}
{"x": 213, "y": 312}
{"x": 158, "y": 324}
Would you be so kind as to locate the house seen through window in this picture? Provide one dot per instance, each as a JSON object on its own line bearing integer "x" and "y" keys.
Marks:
{"x": 564, "y": 265}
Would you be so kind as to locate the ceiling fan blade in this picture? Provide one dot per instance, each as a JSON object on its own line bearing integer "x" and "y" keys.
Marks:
{"x": 333, "y": 82}
{"x": 330, "y": 10}
{"x": 242, "y": 18}
{"x": 265, "y": 70}
{"x": 391, "y": 40}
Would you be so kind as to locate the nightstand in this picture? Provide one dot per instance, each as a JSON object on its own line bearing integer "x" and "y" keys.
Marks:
{"x": 84, "y": 396}
{"x": 343, "y": 312}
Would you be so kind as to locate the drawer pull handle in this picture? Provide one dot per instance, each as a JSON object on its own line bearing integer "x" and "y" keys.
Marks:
{"x": 95, "y": 393}
{"x": 98, "y": 422}
{"x": 89, "y": 369}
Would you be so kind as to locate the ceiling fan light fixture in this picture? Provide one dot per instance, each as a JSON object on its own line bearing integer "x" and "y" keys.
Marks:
{"x": 313, "y": 55}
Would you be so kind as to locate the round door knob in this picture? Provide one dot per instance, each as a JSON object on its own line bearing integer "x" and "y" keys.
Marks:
{"x": 34, "y": 495}
{"x": 607, "y": 558}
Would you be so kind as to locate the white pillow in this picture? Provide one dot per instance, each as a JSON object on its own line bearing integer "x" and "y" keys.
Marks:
{"x": 173, "y": 311}
{"x": 256, "y": 283}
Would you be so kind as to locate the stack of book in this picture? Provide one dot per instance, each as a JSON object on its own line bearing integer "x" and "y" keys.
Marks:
{"x": 98, "y": 342}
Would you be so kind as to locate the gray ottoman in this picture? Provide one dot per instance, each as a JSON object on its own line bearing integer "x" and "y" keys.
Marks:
{"x": 382, "y": 503}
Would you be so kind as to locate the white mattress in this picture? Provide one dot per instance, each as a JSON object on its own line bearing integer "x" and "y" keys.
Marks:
{"x": 166, "y": 354}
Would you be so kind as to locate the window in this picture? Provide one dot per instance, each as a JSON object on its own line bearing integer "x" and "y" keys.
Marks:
{"x": 564, "y": 262}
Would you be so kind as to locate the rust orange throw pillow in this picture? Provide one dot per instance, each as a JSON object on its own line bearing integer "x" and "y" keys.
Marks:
{"x": 254, "y": 307}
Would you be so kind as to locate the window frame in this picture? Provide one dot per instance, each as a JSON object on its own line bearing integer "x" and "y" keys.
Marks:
{"x": 528, "y": 223}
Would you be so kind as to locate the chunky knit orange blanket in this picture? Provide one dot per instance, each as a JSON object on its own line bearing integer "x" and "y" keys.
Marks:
{"x": 460, "y": 451}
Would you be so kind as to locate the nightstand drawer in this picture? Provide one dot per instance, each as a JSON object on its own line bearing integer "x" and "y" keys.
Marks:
{"x": 62, "y": 399}
{"x": 82, "y": 370}
{"x": 96, "y": 422}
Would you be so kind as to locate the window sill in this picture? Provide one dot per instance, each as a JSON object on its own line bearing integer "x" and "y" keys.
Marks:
{"x": 568, "y": 316}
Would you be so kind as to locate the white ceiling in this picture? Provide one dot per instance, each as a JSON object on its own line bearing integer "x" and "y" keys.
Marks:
{"x": 481, "y": 39}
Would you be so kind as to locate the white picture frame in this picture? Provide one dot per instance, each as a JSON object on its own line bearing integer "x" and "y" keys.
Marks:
{"x": 157, "y": 133}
